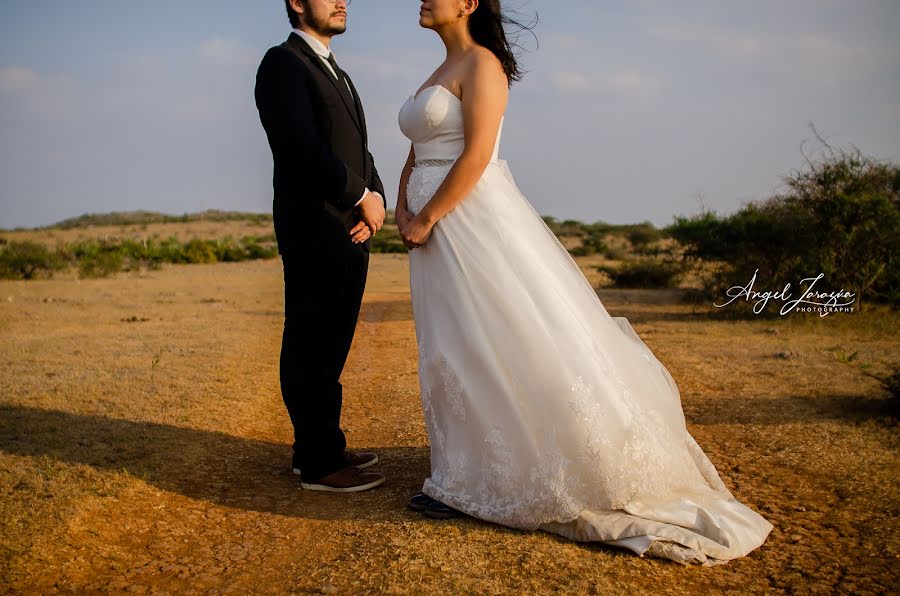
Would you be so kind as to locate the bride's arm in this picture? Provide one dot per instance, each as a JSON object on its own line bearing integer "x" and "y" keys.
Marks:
{"x": 485, "y": 91}
{"x": 401, "y": 213}
{"x": 404, "y": 181}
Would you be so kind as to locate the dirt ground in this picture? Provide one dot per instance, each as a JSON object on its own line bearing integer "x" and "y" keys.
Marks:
{"x": 144, "y": 447}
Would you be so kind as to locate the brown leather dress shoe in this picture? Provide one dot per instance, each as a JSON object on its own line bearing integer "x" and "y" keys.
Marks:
{"x": 346, "y": 480}
{"x": 360, "y": 459}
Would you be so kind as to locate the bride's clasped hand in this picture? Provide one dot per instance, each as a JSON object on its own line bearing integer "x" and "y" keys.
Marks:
{"x": 413, "y": 230}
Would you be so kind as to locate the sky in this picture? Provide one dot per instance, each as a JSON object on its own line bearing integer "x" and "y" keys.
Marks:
{"x": 630, "y": 110}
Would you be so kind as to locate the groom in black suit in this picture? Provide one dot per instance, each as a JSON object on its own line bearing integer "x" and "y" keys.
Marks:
{"x": 328, "y": 203}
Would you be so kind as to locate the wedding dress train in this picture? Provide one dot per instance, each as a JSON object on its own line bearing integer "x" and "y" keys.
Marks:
{"x": 542, "y": 410}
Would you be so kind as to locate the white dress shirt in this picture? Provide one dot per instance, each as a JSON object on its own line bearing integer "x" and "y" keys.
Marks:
{"x": 322, "y": 51}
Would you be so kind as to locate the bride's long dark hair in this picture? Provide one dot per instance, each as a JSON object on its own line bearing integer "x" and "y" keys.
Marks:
{"x": 486, "y": 25}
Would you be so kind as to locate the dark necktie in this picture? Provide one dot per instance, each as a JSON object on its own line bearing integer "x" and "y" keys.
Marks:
{"x": 343, "y": 87}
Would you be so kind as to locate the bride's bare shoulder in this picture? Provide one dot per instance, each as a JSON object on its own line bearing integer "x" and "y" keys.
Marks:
{"x": 481, "y": 57}
{"x": 484, "y": 67}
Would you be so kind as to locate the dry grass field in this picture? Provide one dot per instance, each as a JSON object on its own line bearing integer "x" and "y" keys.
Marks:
{"x": 50, "y": 237}
{"x": 144, "y": 447}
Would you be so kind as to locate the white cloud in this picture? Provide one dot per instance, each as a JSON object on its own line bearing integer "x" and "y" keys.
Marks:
{"x": 199, "y": 106}
{"x": 46, "y": 96}
{"x": 741, "y": 44}
{"x": 17, "y": 80}
{"x": 570, "y": 80}
{"x": 381, "y": 66}
{"x": 633, "y": 84}
{"x": 227, "y": 52}
{"x": 564, "y": 41}
{"x": 813, "y": 58}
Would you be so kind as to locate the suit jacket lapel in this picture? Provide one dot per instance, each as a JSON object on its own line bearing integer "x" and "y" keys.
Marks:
{"x": 359, "y": 109}
{"x": 297, "y": 44}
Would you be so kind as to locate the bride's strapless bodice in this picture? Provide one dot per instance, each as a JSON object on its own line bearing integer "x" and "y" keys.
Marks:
{"x": 433, "y": 121}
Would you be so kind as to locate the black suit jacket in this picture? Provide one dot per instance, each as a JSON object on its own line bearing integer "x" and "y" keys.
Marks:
{"x": 319, "y": 143}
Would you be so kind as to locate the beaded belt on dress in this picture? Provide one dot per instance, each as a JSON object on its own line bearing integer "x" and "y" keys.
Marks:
{"x": 434, "y": 162}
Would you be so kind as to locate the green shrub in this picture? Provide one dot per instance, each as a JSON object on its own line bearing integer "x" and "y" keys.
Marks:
{"x": 642, "y": 236}
{"x": 99, "y": 258}
{"x": 229, "y": 251}
{"x": 27, "y": 260}
{"x": 581, "y": 251}
{"x": 591, "y": 243}
{"x": 100, "y": 264}
{"x": 254, "y": 250}
{"x": 387, "y": 240}
{"x": 168, "y": 250}
{"x": 644, "y": 273}
{"x": 133, "y": 250}
{"x": 199, "y": 251}
{"x": 840, "y": 216}
{"x": 143, "y": 218}
{"x": 551, "y": 222}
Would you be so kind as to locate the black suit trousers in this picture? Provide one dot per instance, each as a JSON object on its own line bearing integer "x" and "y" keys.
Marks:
{"x": 322, "y": 297}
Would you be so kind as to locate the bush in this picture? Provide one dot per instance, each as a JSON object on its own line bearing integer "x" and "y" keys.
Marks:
{"x": 119, "y": 218}
{"x": 584, "y": 250}
{"x": 644, "y": 273}
{"x": 641, "y": 236}
{"x": 891, "y": 382}
{"x": 255, "y": 250}
{"x": 592, "y": 243}
{"x": 199, "y": 251}
{"x": 27, "y": 260}
{"x": 229, "y": 251}
{"x": 387, "y": 240}
{"x": 840, "y": 217}
{"x": 167, "y": 251}
{"x": 99, "y": 258}
{"x": 101, "y": 264}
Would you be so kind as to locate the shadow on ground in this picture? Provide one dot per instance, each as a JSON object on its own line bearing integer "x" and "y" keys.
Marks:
{"x": 255, "y": 475}
{"x": 776, "y": 411}
{"x": 212, "y": 466}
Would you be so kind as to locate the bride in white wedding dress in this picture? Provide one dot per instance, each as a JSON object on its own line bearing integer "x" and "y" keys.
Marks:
{"x": 542, "y": 410}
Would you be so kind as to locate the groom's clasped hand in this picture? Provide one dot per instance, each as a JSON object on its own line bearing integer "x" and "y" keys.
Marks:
{"x": 371, "y": 217}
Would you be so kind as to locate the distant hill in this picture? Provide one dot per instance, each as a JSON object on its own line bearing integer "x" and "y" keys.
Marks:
{"x": 127, "y": 218}
{"x": 124, "y": 218}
